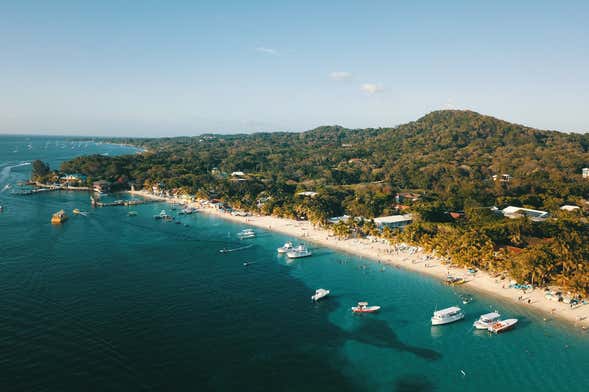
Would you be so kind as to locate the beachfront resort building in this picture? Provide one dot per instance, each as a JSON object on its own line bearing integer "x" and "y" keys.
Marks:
{"x": 393, "y": 221}
{"x": 512, "y": 212}
{"x": 585, "y": 172}
{"x": 72, "y": 178}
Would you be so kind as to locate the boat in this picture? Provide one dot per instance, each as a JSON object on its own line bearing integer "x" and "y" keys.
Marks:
{"x": 187, "y": 211}
{"x": 448, "y": 315}
{"x": 76, "y": 211}
{"x": 364, "y": 308}
{"x": 132, "y": 213}
{"x": 246, "y": 233}
{"x": 502, "y": 326}
{"x": 286, "y": 247}
{"x": 466, "y": 299}
{"x": 319, "y": 293}
{"x": 298, "y": 252}
{"x": 59, "y": 217}
{"x": 486, "y": 320}
{"x": 164, "y": 216}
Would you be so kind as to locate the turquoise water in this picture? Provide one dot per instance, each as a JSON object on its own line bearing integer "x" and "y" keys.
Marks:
{"x": 109, "y": 302}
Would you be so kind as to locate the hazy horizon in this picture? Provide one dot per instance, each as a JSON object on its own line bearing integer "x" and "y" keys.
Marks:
{"x": 187, "y": 68}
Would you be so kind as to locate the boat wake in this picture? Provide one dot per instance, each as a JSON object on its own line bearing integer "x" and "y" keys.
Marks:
{"x": 5, "y": 172}
{"x": 235, "y": 249}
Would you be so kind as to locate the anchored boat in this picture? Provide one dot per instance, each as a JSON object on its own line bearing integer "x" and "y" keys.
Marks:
{"x": 447, "y": 316}
{"x": 320, "y": 293}
{"x": 364, "y": 308}
{"x": 503, "y": 325}
{"x": 288, "y": 246}
{"x": 486, "y": 320}
{"x": 246, "y": 233}
{"x": 298, "y": 252}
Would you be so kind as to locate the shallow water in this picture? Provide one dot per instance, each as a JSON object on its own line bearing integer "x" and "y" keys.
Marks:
{"x": 110, "y": 302}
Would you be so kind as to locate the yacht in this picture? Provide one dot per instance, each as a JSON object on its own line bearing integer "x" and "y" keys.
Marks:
{"x": 298, "y": 252}
{"x": 59, "y": 217}
{"x": 246, "y": 233}
{"x": 320, "y": 293}
{"x": 286, "y": 247}
{"x": 502, "y": 326}
{"x": 486, "y": 320}
{"x": 364, "y": 308}
{"x": 448, "y": 315}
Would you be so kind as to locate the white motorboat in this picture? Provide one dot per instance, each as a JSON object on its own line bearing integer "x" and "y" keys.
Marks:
{"x": 163, "y": 215}
{"x": 364, "y": 308}
{"x": 448, "y": 315}
{"x": 486, "y": 320}
{"x": 298, "y": 252}
{"x": 288, "y": 246}
{"x": 246, "y": 233}
{"x": 320, "y": 293}
{"x": 503, "y": 325}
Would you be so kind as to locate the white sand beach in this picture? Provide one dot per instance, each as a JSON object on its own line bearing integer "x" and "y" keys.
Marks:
{"x": 410, "y": 259}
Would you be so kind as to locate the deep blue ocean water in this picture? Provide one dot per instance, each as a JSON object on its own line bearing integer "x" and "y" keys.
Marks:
{"x": 109, "y": 302}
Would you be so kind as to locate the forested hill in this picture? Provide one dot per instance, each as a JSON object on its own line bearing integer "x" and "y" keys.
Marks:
{"x": 440, "y": 166}
{"x": 449, "y": 154}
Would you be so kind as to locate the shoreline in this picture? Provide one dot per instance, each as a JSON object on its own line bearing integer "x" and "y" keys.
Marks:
{"x": 414, "y": 261}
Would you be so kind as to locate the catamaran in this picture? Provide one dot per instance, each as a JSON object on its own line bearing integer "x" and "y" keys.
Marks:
{"x": 448, "y": 315}
{"x": 364, "y": 308}
{"x": 298, "y": 252}
{"x": 288, "y": 246}
{"x": 486, "y": 320}
{"x": 320, "y": 293}
{"x": 502, "y": 326}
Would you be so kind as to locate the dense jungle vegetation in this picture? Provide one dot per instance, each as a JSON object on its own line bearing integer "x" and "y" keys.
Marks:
{"x": 445, "y": 161}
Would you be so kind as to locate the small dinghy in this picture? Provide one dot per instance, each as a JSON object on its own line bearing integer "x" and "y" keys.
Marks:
{"x": 364, "y": 308}
{"x": 320, "y": 293}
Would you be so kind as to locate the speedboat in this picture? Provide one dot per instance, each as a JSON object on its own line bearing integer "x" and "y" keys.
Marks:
{"x": 448, "y": 315}
{"x": 486, "y": 320}
{"x": 320, "y": 293}
{"x": 364, "y": 308}
{"x": 502, "y": 326}
{"x": 286, "y": 247}
{"x": 246, "y": 233}
{"x": 298, "y": 252}
{"x": 76, "y": 211}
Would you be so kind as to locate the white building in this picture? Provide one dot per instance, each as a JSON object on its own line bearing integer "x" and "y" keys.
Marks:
{"x": 518, "y": 212}
{"x": 586, "y": 172}
{"x": 570, "y": 208}
{"x": 307, "y": 193}
{"x": 502, "y": 177}
{"x": 393, "y": 221}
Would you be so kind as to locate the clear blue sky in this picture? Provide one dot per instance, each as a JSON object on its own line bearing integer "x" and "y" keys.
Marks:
{"x": 159, "y": 68}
